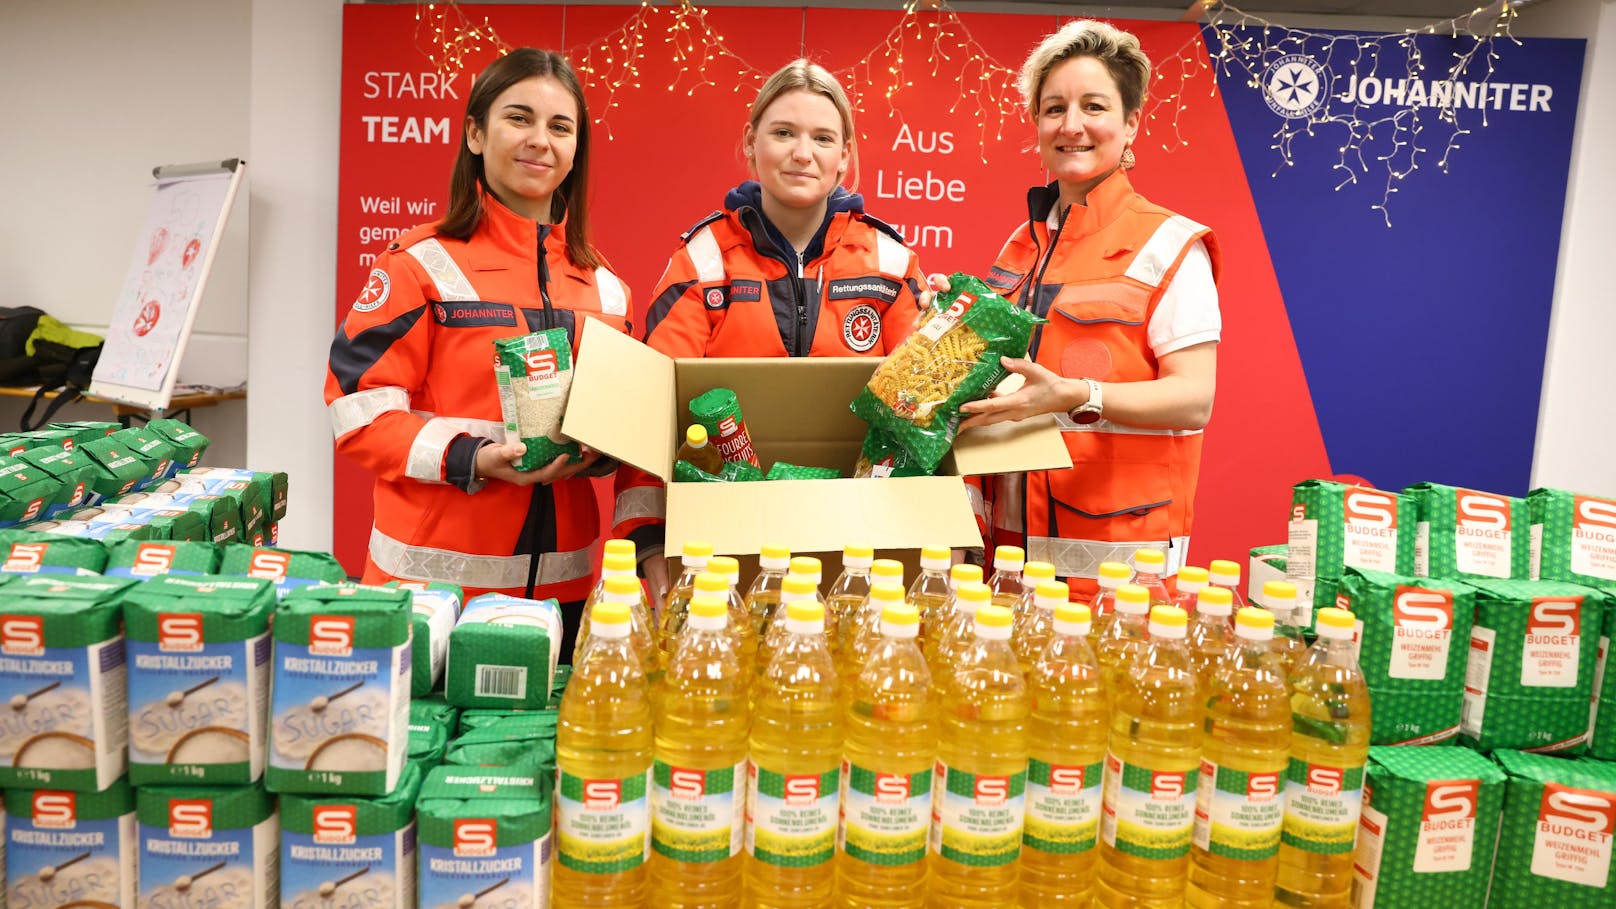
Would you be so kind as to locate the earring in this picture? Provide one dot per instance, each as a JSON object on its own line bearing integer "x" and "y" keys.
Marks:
{"x": 1128, "y": 160}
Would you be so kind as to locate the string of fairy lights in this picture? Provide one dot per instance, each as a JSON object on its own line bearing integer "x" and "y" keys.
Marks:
{"x": 1290, "y": 66}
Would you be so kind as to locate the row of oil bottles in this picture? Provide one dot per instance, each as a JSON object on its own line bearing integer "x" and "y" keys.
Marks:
{"x": 956, "y": 743}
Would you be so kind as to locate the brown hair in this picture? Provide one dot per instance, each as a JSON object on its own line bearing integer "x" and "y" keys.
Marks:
{"x": 465, "y": 212}
{"x": 1117, "y": 49}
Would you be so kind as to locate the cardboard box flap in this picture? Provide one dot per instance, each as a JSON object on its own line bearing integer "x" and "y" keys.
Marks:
{"x": 821, "y": 515}
{"x": 621, "y": 401}
{"x": 1031, "y": 444}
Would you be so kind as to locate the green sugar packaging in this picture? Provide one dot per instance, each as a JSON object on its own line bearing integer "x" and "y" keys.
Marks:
{"x": 289, "y": 569}
{"x": 340, "y": 852}
{"x": 27, "y": 552}
{"x": 524, "y": 741}
{"x": 484, "y": 832}
{"x": 1428, "y": 828}
{"x": 26, "y": 491}
{"x": 1554, "y": 845}
{"x": 503, "y": 653}
{"x": 208, "y": 847}
{"x": 198, "y": 679}
{"x": 1463, "y": 533}
{"x": 437, "y": 608}
{"x": 1413, "y": 649}
{"x": 70, "y": 849}
{"x": 534, "y": 375}
{"x": 1573, "y": 537}
{"x": 189, "y": 443}
{"x": 1529, "y": 678}
{"x": 148, "y": 559}
{"x": 72, "y": 471}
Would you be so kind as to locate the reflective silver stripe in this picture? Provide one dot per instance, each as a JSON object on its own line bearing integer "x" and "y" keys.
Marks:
{"x": 1082, "y": 558}
{"x": 482, "y": 429}
{"x": 425, "y": 461}
{"x": 1163, "y": 249}
{"x": 702, "y": 248}
{"x": 613, "y": 298}
{"x": 639, "y": 502}
{"x": 424, "y": 563}
{"x": 892, "y": 257}
{"x": 445, "y": 274}
{"x": 1065, "y": 424}
{"x": 978, "y": 506}
{"x": 360, "y": 409}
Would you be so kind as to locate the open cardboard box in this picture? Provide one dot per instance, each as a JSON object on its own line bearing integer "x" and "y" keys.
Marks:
{"x": 632, "y": 403}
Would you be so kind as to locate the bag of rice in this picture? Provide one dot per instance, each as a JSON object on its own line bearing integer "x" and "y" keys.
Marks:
{"x": 534, "y": 374}
{"x": 953, "y": 358}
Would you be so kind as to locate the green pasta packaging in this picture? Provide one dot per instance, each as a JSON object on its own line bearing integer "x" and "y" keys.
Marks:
{"x": 916, "y": 392}
{"x": 534, "y": 375}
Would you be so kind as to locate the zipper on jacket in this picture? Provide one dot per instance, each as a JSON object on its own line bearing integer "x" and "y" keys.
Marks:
{"x": 1038, "y": 281}
{"x": 544, "y": 289}
{"x": 802, "y": 311}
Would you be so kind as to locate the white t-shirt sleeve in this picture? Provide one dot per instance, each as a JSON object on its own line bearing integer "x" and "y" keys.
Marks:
{"x": 1188, "y": 313}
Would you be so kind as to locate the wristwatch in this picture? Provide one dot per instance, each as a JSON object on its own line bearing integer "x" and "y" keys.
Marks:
{"x": 1089, "y": 411}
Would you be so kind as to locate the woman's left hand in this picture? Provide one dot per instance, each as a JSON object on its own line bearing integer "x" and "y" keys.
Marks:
{"x": 1043, "y": 392}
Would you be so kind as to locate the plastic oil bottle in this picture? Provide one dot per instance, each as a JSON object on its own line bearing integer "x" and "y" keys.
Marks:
{"x": 969, "y": 598}
{"x": 931, "y": 636}
{"x": 740, "y": 621}
{"x": 692, "y": 561}
{"x": 1212, "y": 634}
{"x": 794, "y": 778}
{"x": 795, "y": 588}
{"x": 1006, "y": 582}
{"x": 603, "y": 748}
{"x": 981, "y": 775}
{"x": 1125, "y": 640}
{"x": 891, "y": 744}
{"x": 1029, "y": 638}
{"x": 699, "y": 453}
{"x": 847, "y": 594}
{"x": 806, "y": 567}
{"x": 929, "y": 592}
{"x": 1280, "y": 599}
{"x": 1151, "y": 770}
{"x": 615, "y": 565}
{"x": 1104, "y": 605}
{"x": 1032, "y": 574}
{"x": 1329, "y": 746}
{"x": 1224, "y": 573}
{"x": 1149, "y": 567}
{"x": 1067, "y": 734}
{"x": 699, "y": 774}
{"x": 1240, "y": 799}
{"x": 764, "y": 595}
{"x": 866, "y": 625}
{"x": 1191, "y": 580}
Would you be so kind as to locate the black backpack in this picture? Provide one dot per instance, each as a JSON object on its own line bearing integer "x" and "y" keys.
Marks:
{"x": 16, "y": 324}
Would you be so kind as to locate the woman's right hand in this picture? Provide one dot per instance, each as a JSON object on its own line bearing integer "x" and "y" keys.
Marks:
{"x": 494, "y": 463}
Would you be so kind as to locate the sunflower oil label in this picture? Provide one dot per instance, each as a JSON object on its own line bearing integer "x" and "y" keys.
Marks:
{"x": 886, "y": 817}
{"x": 68, "y": 719}
{"x": 1238, "y": 815}
{"x": 1063, "y": 806}
{"x": 1148, "y": 813}
{"x": 477, "y": 873}
{"x": 697, "y": 815}
{"x": 193, "y": 865}
{"x": 197, "y": 709}
{"x": 57, "y": 858}
{"x": 1322, "y": 804}
{"x": 605, "y": 824}
{"x": 1573, "y": 838}
{"x": 1478, "y": 674}
{"x": 1447, "y": 837}
{"x": 1593, "y": 537}
{"x": 1422, "y": 633}
{"x": 1482, "y": 534}
{"x": 977, "y": 818}
{"x": 791, "y": 817}
{"x": 336, "y": 867}
{"x": 1553, "y": 636}
{"x": 1366, "y": 857}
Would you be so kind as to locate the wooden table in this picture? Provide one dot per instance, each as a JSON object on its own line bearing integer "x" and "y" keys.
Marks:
{"x": 179, "y": 406}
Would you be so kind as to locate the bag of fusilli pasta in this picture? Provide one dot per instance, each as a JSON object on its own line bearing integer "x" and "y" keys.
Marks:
{"x": 881, "y": 457}
{"x": 915, "y": 395}
{"x": 534, "y": 375}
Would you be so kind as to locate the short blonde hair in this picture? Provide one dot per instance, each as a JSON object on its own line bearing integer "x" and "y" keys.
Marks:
{"x": 1117, "y": 49}
{"x": 801, "y": 75}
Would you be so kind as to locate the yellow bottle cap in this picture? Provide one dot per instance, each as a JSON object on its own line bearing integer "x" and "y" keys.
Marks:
{"x": 1252, "y": 617}
{"x": 695, "y": 549}
{"x": 1115, "y": 571}
{"x": 965, "y": 574}
{"x": 856, "y": 551}
{"x": 696, "y": 435}
{"x": 886, "y": 593}
{"x": 975, "y": 592}
{"x": 1009, "y": 555}
{"x": 609, "y": 613}
{"x": 617, "y": 562}
{"x": 805, "y": 611}
{"x": 776, "y": 551}
{"x": 1072, "y": 612}
{"x": 1215, "y": 596}
{"x": 900, "y": 613}
{"x": 1336, "y": 618}
{"x": 1225, "y": 568}
{"x": 622, "y": 586}
{"x": 887, "y": 568}
{"x": 621, "y": 547}
{"x": 1150, "y": 560}
{"x": 1168, "y": 617}
{"x": 797, "y": 584}
{"x": 935, "y": 557}
{"x": 1278, "y": 590}
{"x": 712, "y": 582}
{"x": 1133, "y": 595}
{"x": 724, "y": 565}
{"x": 807, "y": 566}
{"x": 991, "y": 616}
{"x": 708, "y": 608}
{"x": 1191, "y": 574}
{"x": 1038, "y": 571}
{"x": 1050, "y": 594}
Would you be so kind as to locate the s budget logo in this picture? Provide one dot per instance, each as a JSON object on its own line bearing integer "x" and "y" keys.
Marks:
{"x": 1066, "y": 780}
{"x": 1262, "y": 787}
{"x": 541, "y": 364}
{"x": 153, "y": 558}
{"x": 22, "y": 635}
{"x": 1296, "y": 86}
{"x": 1554, "y": 616}
{"x": 1417, "y": 609}
{"x": 991, "y": 790}
{"x": 25, "y": 558}
{"x": 1481, "y": 511}
{"x": 1370, "y": 508}
{"x": 331, "y": 635}
{"x": 475, "y": 837}
{"x": 269, "y": 564}
{"x": 55, "y": 810}
{"x": 602, "y": 795}
{"x": 190, "y": 818}
{"x": 33, "y": 510}
{"x": 891, "y": 788}
{"x": 1166, "y": 786}
{"x": 1450, "y": 800}
{"x": 1581, "y": 813}
{"x": 1322, "y": 780}
{"x": 1593, "y": 518}
{"x": 179, "y": 632}
{"x": 801, "y": 790}
{"x": 336, "y": 824}
{"x": 687, "y": 785}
